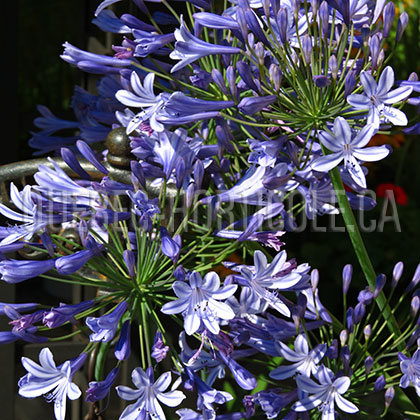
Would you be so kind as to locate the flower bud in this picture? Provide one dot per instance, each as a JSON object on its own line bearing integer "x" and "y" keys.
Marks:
{"x": 365, "y": 32}
{"x": 388, "y": 15}
{"x": 367, "y": 331}
{"x": 231, "y": 80}
{"x": 332, "y": 351}
{"x": 333, "y": 66}
{"x": 359, "y": 312}
{"x": 343, "y": 337}
{"x": 381, "y": 58}
{"x": 368, "y": 364}
{"x": 345, "y": 357}
{"x": 246, "y": 75}
{"x": 314, "y": 6}
{"x": 283, "y": 24}
{"x": 324, "y": 15}
{"x": 402, "y": 24}
{"x": 413, "y": 77}
{"x": 314, "y": 279}
{"x": 414, "y": 306}
{"x": 347, "y": 274}
{"x": 380, "y": 283}
{"x": 275, "y": 76}
{"x": 374, "y": 48}
{"x": 217, "y": 78}
{"x": 122, "y": 348}
{"x": 389, "y": 396}
{"x": 349, "y": 83}
{"x": 307, "y": 48}
{"x": 130, "y": 262}
{"x": 397, "y": 273}
{"x": 379, "y": 384}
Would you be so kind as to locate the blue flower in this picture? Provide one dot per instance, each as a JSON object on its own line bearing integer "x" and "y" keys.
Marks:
{"x": 104, "y": 327}
{"x": 99, "y": 390}
{"x": 56, "y": 317}
{"x": 378, "y": 97}
{"x": 189, "y": 48}
{"x": 410, "y": 367}
{"x": 276, "y": 275}
{"x": 55, "y": 382}
{"x": 159, "y": 350}
{"x": 15, "y": 271}
{"x": 199, "y": 302}
{"x": 305, "y": 361}
{"x": 324, "y": 394}
{"x": 148, "y": 393}
{"x": 345, "y": 146}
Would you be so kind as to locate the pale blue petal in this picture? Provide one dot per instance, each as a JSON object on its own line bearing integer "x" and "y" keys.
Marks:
{"x": 73, "y": 391}
{"x": 288, "y": 353}
{"x": 175, "y": 307}
{"x": 345, "y": 405}
{"x": 163, "y": 382}
{"x": 364, "y": 135}
{"x": 283, "y": 372}
{"x": 127, "y": 393}
{"x": 140, "y": 378}
{"x": 357, "y": 173}
{"x": 342, "y": 384}
{"x": 329, "y": 141}
{"x": 371, "y": 154}
{"x": 369, "y": 83}
{"x": 47, "y": 360}
{"x": 342, "y": 130}
{"x": 35, "y": 389}
{"x": 395, "y": 116}
{"x": 260, "y": 261}
{"x": 172, "y": 398}
{"x": 358, "y": 101}
{"x": 308, "y": 385}
{"x": 191, "y": 323}
{"x": 385, "y": 83}
{"x": 225, "y": 292}
{"x": 301, "y": 344}
{"x": 211, "y": 282}
{"x": 307, "y": 403}
{"x": 397, "y": 95}
{"x": 325, "y": 163}
{"x": 182, "y": 289}
{"x": 221, "y": 309}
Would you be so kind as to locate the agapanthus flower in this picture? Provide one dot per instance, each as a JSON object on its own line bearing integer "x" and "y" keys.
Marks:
{"x": 189, "y": 48}
{"x": 55, "y": 382}
{"x": 326, "y": 394}
{"x": 199, "y": 302}
{"x": 104, "y": 327}
{"x": 265, "y": 277}
{"x": 100, "y": 390}
{"x": 410, "y": 367}
{"x": 346, "y": 146}
{"x": 147, "y": 394}
{"x": 378, "y": 97}
{"x": 305, "y": 361}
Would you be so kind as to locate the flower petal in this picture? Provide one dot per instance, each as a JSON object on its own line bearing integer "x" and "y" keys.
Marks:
{"x": 386, "y": 81}
{"x": 175, "y": 306}
{"x": 345, "y": 405}
{"x": 395, "y": 116}
{"x": 397, "y": 95}
{"x": 172, "y": 398}
{"x": 358, "y": 101}
{"x": 329, "y": 141}
{"x": 127, "y": 393}
{"x": 342, "y": 131}
{"x": 163, "y": 382}
{"x": 371, "y": 154}
{"x": 325, "y": 163}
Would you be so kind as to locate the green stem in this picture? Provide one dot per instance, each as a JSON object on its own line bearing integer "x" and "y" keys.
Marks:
{"x": 360, "y": 250}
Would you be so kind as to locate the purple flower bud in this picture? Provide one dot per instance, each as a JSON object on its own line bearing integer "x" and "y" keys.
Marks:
{"x": 374, "y": 47}
{"x": 171, "y": 247}
{"x": 246, "y": 75}
{"x": 217, "y": 78}
{"x": 252, "y": 105}
{"x": 359, "y": 312}
{"x": 402, "y": 24}
{"x": 189, "y": 195}
{"x": 388, "y": 15}
{"x": 379, "y": 384}
{"x": 104, "y": 327}
{"x": 413, "y": 77}
{"x": 415, "y": 280}
{"x": 307, "y": 48}
{"x": 130, "y": 262}
{"x": 224, "y": 165}
{"x": 89, "y": 155}
{"x": 314, "y": 6}
{"x": 56, "y": 317}
{"x": 347, "y": 274}
{"x": 122, "y": 349}
{"x": 198, "y": 171}
{"x": 276, "y": 76}
{"x": 379, "y": 284}
{"x": 314, "y": 279}
{"x": 259, "y": 54}
{"x": 367, "y": 331}
{"x": 368, "y": 364}
{"x": 159, "y": 350}
{"x": 47, "y": 243}
{"x": 231, "y": 80}
{"x": 324, "y": 16}
{"x": 381, "y": 57}
{"x": 349, "y": 83}
{"x": 283, "y": 24}
{"x": 343, "y": 337}
{"x": 179, "y": 273}
{"x": 240, "y": 18}
{"x": 345, "y": 357}
{"x": 99, "y": 390}
{"x": 332, "y": 351}
{"x": 138, "y": 172}
{"x": 389, "y": 396}
{"x": 83, "y": 231}
{"x": 321, "y": 81}
{"x": 254, "y": 24}
{"x": 333, "y": 66}
{"x": 397, "y": 273}
{"x": 71, "y": 160}
{"x": 180, "y": 170}
{"x": 414, "y": 306}
{"x": 249, "y": 404}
